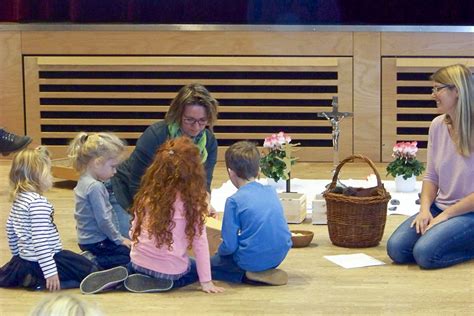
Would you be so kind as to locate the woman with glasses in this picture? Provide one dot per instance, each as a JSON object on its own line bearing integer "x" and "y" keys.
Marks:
{"x": 192, "y": 113}
{"x": 442, "y": 233}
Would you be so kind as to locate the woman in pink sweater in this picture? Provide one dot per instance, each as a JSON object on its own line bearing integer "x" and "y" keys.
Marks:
{"x": 442, "y": 233}
{"x": 169, "y": 211}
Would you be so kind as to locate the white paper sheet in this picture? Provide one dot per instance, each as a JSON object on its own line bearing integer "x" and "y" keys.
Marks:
{"x": 356, "y": 260}
{"x": 312, "y": 187}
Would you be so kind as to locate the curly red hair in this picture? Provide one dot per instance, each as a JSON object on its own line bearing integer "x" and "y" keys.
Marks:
{"x": 176, "y": 169}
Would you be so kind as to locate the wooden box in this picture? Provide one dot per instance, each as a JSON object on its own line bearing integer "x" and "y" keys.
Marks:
{"x": 294, "y": 205}
{"x": 62, "y": 169}
{"x": 319, "y": 212}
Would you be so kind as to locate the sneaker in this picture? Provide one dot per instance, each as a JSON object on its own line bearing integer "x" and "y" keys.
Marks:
{"x": 270, "y": 277}
{"x": 140, "y": 283}
{"x": 103, "y": 280}
{"x": 10, "y": 142}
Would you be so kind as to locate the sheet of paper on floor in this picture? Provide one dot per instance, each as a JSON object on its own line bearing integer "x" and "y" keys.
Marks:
{"x": 356, "y": 260}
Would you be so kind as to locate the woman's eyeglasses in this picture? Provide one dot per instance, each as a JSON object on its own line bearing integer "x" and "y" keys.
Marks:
{"x": 191, "y": 121}
{"x": 439, "y": 88}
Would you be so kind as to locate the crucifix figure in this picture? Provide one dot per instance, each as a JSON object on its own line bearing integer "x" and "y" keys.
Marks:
{"x": 335, "y": 117}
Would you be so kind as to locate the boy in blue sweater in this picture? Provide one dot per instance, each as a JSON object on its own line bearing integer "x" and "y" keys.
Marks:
{"x": 255, "y": 235}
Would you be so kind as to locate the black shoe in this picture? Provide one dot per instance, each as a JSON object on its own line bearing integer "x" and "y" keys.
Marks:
{"x": 10, "y": 142}
{"x": 140, "y": 283}
{"x": 103, "y": 280}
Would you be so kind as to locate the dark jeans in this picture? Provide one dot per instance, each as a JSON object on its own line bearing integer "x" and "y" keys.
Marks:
{"x": 445, "y": 244}
{"x": 72, "y": 269}
{"x": 108, "y": 254}
{"x": 187, "y": 279}
{"x": 224, "y": 268}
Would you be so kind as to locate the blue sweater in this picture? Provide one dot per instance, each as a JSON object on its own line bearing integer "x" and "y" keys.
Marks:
{"x": 254, "y": 229}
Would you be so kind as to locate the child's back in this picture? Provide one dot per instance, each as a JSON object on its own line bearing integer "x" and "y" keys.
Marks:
{"x": 31, "y": 233}
{"x": 38, "y": 260}
{"x": 254, "y": 228}
{"x": 175, "y": 260}
{"x": 255, "y": 235}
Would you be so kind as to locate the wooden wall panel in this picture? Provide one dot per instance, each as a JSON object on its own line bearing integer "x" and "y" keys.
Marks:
{"x": 367, "y": 106}
{"x": 236, "y": 43}
{"x": 11, "y": 87}
{"x": 427, "y": 44}
{"x": 361, "y": 90}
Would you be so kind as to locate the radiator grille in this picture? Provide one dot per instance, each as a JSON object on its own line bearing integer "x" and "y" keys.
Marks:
{"x": 258, "y": 96}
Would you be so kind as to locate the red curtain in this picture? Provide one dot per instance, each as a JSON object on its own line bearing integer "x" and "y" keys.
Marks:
{"x": 393, "y": 12}
{"x": 125, "y": 11}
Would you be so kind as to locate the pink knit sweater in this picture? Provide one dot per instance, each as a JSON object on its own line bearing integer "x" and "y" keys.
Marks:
{"x": 175, "y": 261}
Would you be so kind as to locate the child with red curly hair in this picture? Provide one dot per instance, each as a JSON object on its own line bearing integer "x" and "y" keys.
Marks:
{"x": 169, "y": 211}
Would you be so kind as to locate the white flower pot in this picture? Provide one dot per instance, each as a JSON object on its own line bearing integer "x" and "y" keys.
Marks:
{"x": 403, "y": 185}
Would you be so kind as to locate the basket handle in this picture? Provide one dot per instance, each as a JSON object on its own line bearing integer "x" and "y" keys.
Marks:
{"x": 332, "y": 185}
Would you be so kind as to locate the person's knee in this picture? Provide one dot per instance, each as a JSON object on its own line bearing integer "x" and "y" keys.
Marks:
{"x": 424, "y": 256}
{"x": 394, "y": 250}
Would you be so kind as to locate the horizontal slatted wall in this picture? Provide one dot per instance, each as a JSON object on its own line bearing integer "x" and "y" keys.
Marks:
{"x": 407, "y": 106}
{"x": 258, "y": 96}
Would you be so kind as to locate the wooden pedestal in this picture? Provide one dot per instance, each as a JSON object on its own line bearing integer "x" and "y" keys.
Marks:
{"x": 294, "y": 205}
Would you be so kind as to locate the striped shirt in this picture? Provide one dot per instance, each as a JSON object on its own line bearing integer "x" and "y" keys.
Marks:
{"x": 31, "y": 232}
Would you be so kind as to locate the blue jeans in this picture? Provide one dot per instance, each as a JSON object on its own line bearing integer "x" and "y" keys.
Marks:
{"x": 187, "y": 279}
{"x": 122, "y": 218}
{"x": 225, "y": 269}
{"x": 445, "y": 244}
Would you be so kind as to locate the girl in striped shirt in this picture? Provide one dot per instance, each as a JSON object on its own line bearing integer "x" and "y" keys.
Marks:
{"x": 39, "y": 260}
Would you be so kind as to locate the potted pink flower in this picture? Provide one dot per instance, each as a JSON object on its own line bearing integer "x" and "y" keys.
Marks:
{"x": 277, "y": 160}
{"x": 276, "y": 164}
{"x": 405, "y": 166}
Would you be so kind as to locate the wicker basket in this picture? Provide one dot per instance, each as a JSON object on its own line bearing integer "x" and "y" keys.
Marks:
{"x": 354, "y": 221}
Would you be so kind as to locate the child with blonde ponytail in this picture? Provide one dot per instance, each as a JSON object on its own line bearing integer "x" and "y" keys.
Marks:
{"x": 95, "y": 157}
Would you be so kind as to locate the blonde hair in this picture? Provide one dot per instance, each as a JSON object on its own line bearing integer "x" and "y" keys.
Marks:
{"x": 460, "y": 77}
{"x": 192, "y": 94}
{"x": 83, "y": 148}
{"x": 31, "y": 171}
{"x": 65, "y": 305}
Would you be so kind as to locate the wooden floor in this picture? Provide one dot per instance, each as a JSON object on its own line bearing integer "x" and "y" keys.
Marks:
{"x": 316, "y": 286}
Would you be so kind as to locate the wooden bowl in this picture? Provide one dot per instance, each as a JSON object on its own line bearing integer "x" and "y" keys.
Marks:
{"x": 301, "y": 238}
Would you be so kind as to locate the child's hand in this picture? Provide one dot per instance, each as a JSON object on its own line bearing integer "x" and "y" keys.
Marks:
{"x": 52, "y": 283}
{"x": 209, "y": 287}
{"x": 127, "y": 243}
{"x": 212, "y": 212}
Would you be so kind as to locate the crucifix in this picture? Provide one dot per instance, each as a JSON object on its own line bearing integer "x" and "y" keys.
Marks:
{"x": 335, "y": 117}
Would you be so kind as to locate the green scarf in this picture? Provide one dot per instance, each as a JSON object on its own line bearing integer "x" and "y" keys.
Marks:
{"x": 200, "y": 140}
